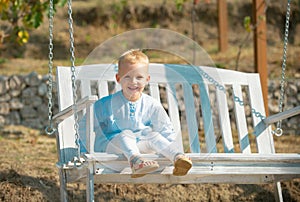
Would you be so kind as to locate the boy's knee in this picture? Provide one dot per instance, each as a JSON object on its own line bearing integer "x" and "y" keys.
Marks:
{"x": 127, "y": 133}
{"x": 153, "y": 135}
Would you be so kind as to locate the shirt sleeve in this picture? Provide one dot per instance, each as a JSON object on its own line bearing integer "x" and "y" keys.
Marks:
{"x": 101, "y": 138}
{"x": 105, "y": 118}
{"x": 161, "y": 122}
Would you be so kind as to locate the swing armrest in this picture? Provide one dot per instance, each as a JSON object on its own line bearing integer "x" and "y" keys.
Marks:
{"x": 80, "y": 105}
{"x": 282, "y": 115}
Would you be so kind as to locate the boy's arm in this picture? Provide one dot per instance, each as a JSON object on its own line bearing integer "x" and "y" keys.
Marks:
{"x": 161, "y": 123}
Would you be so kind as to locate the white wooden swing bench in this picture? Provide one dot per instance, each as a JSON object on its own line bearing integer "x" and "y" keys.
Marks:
{"x": 232, "y": 162}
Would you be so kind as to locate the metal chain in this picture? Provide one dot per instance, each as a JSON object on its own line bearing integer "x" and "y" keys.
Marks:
{"x": 222, "y": 88}
{"x": 73, "y": 78}
{"x": 50, "y": 129}
{"x": 278, "y": 130}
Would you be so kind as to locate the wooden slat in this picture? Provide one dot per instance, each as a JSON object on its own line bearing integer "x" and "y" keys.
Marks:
{"x": 64, "y": 84}
{"x": 85, "y": 88}
{"x": 224, "y": 121}
{"x": 223, "y": 169}
{"x": 102, "y": 88}
{"x": 90, "y": 134}
{"x": 65, "y": 99}
{"x": 191, "y": 118}
{"x": 211, "y": 146}
{"x": 174, "y": 113}
{"x": 96, "y": 72}
{"x": 154, "y": 91}
{"x": 69, "y": 111}
{"x": 201, "y": 175}
{"x": 241, "y": 119}
{"x": 283, "y": 115}
{"x": 208, "y": 157}
{"x": 264, "y": 139}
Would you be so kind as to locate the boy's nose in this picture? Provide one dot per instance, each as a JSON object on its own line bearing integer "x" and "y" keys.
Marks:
{"x": 133, "y": 80}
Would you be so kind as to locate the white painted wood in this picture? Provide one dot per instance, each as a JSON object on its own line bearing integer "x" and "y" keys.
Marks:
{"x": 96, "y": 72}
{"x": 191, "y": 118}
{"x": 90, "y": 134}
{"x": 210, "y": 141}
{"x": 69, "y": 111}
{"x": 85, "y": 88}
{"x": 263, "y": 134}
{"x": 278, "y": 192}
{"x": 154, "y": 90}
{"x": 205, "y": 157}
{"x": 283, "y": 115}
{"x": 65, "y": 99}
{"x": 90, "y": 183}
{"x": 224, "y": 121}
{"x": 241, "y": 119}
{"x": 102, "y": 88}
{"x": 63, "y": 185}
{"x": 174, "y": 114}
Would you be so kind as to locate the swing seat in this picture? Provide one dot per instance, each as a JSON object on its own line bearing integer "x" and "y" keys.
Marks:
{"x": 203, "y": 103}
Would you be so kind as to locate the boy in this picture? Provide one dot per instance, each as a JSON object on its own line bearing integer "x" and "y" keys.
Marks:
{"x": 133, "y": 122}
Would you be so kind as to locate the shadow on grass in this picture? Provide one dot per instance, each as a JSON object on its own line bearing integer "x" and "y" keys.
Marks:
{"x": 26, "y": 188}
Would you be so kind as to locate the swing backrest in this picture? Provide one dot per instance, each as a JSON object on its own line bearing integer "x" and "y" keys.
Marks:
{"x": 212, "y": 109}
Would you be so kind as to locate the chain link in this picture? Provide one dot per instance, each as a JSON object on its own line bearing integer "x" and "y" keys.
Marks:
{"x": 50, "y": 129}
{"x": 222, "y": 88}
{"x": 73, "y": 77}
{"x": 278, "y": 130}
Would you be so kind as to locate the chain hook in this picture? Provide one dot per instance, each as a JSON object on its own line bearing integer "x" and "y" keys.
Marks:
{"x": 278, "y": 132}
{"x": 50, "y": 130}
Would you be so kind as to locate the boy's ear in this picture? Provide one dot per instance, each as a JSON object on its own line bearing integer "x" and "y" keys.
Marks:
{"x": 148, "y": 78}
{"x": 118, "y": 78}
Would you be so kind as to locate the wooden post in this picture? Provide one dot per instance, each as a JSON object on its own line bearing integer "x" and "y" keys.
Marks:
{"x": 260, "y": 46}
{"x": 222, "y": 25}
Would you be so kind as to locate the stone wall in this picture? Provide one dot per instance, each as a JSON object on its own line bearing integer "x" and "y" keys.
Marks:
{"x": 292, "y": 99}
{"x": 24, "y": 101}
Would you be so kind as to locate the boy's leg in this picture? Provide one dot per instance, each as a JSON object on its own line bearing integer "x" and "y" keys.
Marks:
{"x": 124, "y": 143}
{"x": 155, "y": 142}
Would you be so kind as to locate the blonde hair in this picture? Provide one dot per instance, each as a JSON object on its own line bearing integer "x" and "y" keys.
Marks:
{"x": 133, "y": 56}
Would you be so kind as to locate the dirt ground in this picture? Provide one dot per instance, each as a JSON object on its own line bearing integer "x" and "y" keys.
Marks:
{"x": 27, "y": 157}
{"x": 28, "y": 173}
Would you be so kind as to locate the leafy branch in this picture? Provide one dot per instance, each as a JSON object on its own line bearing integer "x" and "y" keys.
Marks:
{"x": 20, "y": 16}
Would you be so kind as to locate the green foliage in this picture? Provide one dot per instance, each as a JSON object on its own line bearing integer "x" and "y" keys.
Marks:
{"x": 20, "y": 16}
{"x": 247, "y": 23}
{"x": 2, "y": 60}
{"x": 179, "y": 4}
{"x": 118, "y": 7}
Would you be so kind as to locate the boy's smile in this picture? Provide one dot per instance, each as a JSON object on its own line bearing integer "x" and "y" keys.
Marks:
{"x": 133, "y": 78}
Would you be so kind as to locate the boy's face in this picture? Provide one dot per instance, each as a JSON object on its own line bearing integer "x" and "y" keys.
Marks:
{"x": 133, "y": 78}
